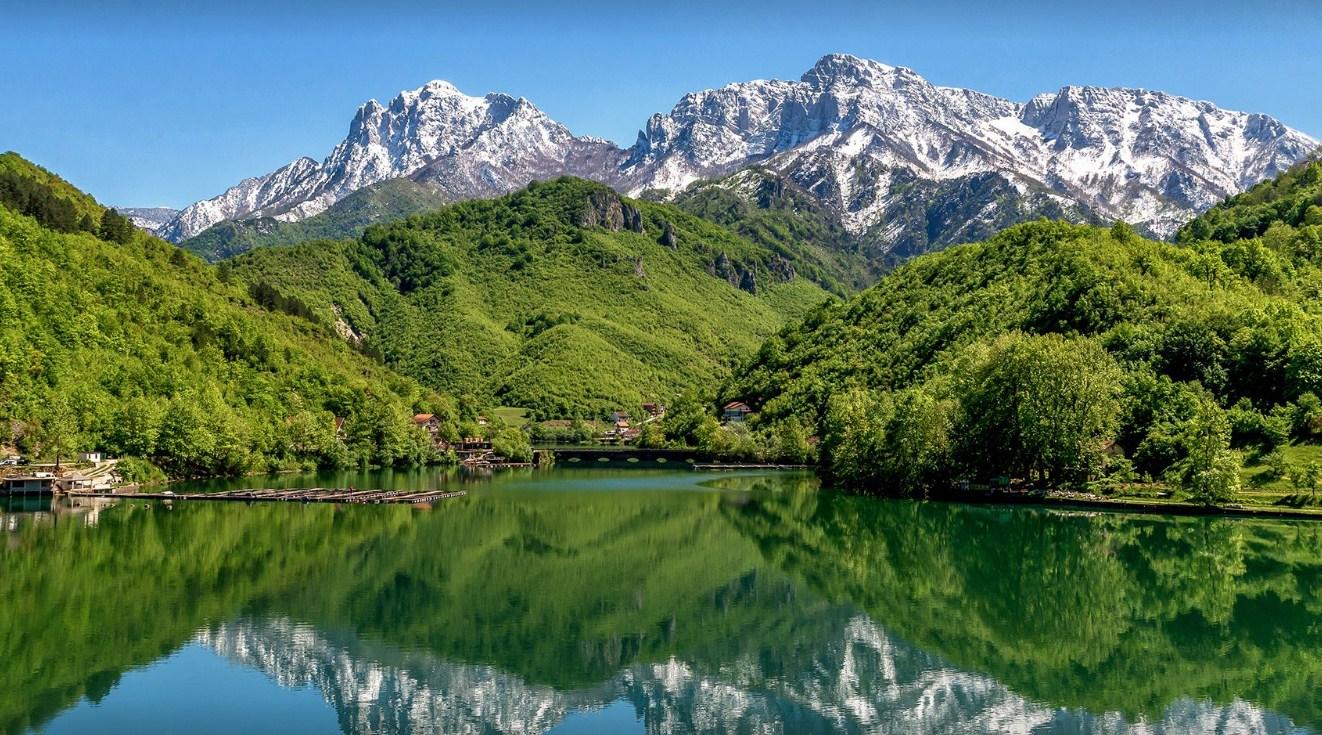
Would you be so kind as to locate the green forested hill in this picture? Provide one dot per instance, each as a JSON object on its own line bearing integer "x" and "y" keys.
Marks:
{"x": 384, "y": 202}
{"x": 132, "y": 346}
{"x": 1292, "y": 202}
{"x": 1029, "y": 354}
{"x": 562, "y": 298}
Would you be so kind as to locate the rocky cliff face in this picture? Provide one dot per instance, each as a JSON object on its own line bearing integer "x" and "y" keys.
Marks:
{"x": 874, "y": 143}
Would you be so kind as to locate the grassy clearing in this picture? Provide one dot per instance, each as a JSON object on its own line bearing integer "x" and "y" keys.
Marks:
{"x": 1262, "y": 486}
{"x": 510, "y": 415}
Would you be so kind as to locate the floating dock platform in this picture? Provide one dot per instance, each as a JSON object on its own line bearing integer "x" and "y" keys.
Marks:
{"x": 294, "y": 495}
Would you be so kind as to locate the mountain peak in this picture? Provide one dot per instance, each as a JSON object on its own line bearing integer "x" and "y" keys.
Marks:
{"x": 844, "y": 68}
{"x": 435, "y": 89}
{"x": 439, "y": 88}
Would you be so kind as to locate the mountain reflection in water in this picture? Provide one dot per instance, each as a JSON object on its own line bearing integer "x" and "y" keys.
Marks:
{"x": 743, "y": 604}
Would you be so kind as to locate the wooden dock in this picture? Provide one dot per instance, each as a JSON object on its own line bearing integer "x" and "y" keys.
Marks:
{"x": 289, "y": 495}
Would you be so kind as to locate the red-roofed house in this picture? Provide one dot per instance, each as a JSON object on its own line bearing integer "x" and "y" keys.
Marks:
{"x": 429, "y": 423}
{"x": 736, "y": 411}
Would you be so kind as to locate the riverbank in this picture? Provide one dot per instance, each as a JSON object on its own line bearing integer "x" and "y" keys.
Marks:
{"x": 1129, "y": 503}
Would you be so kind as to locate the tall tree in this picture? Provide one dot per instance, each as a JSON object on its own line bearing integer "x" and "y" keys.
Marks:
{"x": 1209, "y": 472}
{"x": 1039, "y": 405}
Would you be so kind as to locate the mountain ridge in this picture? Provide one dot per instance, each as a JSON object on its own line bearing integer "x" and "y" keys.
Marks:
{"x": 857, "y": 134}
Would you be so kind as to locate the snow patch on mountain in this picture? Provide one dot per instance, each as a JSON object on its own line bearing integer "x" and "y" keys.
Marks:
{"x": 151, "y": 219}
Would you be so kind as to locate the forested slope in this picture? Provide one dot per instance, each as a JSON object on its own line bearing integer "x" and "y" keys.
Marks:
{"x": 1051, "y": 350}
{"x": 114, "y": 340}
{"x": 562, "y": 298}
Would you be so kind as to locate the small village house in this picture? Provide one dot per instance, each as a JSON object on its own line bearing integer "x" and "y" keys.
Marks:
{"x": 73, "y": 481}
{"x": 735, "y": 412}
{"x": 654, "y": 410}
{"x": 90, "y": 457}
{"x": 432, "y": 425}
{"x": 428, "y": 423}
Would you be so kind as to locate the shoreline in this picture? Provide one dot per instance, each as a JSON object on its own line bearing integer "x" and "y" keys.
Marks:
{"x": 987, "y": 496}
{"x": 1057, "y": 498}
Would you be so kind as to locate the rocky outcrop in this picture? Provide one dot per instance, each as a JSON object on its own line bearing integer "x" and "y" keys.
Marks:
{"x": 736, "y": 274}
{"x": 602, "y": 209}
{"x": 781, "y": 269}
{"x": 633, "y": 219}
{"x": 605, "y": 209}
{"x": 668, "y": 237}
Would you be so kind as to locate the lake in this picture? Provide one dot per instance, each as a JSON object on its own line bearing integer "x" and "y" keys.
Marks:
{"x": 651, "y": 600}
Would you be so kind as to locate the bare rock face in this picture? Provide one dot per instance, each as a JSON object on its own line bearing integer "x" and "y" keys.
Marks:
{"x": 633, "y": 219}
{"x": 770, "y": 191}
{"x": 738, "y": 275}
{"x": 781, "y": 269}
{"x": 602, "y": 209}
{"x": 668, "y": 236}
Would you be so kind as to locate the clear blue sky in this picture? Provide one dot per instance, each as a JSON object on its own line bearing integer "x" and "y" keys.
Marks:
{"x": 152, "y": 102}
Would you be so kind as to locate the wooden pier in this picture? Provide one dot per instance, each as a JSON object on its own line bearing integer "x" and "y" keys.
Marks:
{"x": 290, "y": 495}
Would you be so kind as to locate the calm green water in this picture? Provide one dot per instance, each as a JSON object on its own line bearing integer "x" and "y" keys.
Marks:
{"x": 668, "y": 601}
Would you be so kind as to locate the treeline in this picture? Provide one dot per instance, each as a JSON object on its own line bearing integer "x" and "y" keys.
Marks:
{"x": 1060, "y": 354}
{"x": 46, "y": 203}
{"x": 692, "y": 423}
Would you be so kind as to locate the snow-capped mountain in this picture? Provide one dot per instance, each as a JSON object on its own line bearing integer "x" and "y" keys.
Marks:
{"x": 151, "y": 219}
{"x": 854, "y": 132}
{"x": 470, "y": 146}
{"x": 872, "y": 142}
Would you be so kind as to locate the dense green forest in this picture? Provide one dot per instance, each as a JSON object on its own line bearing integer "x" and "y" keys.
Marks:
{"x": 562, "y": 298}
{"x": 1064, "y": 353}
{"x": 114, "y": 340}
{"x": 774, "y": 212}
{"x": 1291, "y": 202}
{"x": 384, "y": 202}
